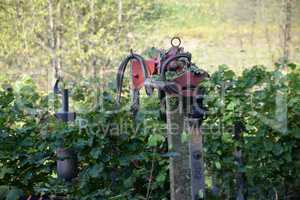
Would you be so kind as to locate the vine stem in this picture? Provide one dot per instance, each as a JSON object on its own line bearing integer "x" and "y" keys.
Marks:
{"x": 151, "y": 176}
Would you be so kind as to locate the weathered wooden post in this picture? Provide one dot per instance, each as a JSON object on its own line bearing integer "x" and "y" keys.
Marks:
{"x": 184, "y": 115}
{"x": 179, "y": 163}
{"x": 196, "y": 158}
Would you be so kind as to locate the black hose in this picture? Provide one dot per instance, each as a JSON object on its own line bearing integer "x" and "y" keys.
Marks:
{"x": 121, "y": 71}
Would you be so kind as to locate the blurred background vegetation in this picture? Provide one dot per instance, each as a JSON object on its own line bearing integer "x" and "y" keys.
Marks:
{"x": 88, "y": 39}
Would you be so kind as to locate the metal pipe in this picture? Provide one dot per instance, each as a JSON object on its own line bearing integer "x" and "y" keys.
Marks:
{"x": 65, "y": 100}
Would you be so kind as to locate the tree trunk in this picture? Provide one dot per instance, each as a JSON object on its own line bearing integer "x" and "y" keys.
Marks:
{"x": 52, "y": 39}
{"x": 78, "y": 19}
{"x": 287, "y": 29}
{"x": 93, "y": 30}
{"x": 59, "y": 37}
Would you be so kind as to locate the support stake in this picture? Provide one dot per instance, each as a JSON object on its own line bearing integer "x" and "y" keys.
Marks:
{"x": 179, "y": 164}
{"x": 196, "y": 158}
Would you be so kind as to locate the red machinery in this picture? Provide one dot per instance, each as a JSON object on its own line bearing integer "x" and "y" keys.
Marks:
{"x": 175, "y": 60}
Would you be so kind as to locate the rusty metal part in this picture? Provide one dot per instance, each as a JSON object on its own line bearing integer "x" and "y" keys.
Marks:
{"x": 137, "y": 72}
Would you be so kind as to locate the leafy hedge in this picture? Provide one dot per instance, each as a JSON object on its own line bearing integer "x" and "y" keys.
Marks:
{"x": 122, "y": 159}
{"x": 117, "y": 158}
{"x": 268, "y": 104}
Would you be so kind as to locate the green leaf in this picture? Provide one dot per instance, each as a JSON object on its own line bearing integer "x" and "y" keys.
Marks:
{"x": 229, "y": 74}
{"x": 185, "y": 136}
{"x": 231, "y": 106}
{"x": 3, "y": 191}
{"x": 161, "y": 177}
{"x": 201, "y": 194}
{"x": 155, "y": 139}
{"x": 96, "y": 152}
{"x": 242, "y": 169}
{"x": 95, "y": 170}
{"x": 268, "y": 145}
{"x": 5, "y": 171}
{"x": 292, "y": 66}
{"x": 227, "y": 137}
{"x": 277, "y": 149}
{"x": 14, "y": 194}
{"x": 129, "y": 182}
{"x": 218, "y": 165}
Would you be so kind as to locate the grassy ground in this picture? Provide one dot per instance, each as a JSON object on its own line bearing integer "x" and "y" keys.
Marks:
{"x": 226, "y": 32}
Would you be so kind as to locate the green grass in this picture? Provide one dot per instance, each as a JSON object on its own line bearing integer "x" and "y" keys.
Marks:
{"x": 214, "y": 39}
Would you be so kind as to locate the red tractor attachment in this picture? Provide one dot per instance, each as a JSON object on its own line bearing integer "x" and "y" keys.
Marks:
{"x": 155, "y": 71}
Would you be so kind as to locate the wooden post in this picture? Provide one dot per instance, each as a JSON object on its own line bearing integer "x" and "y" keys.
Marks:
{"x": 196, "y": 158}
{"x": 179, "y": 163}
